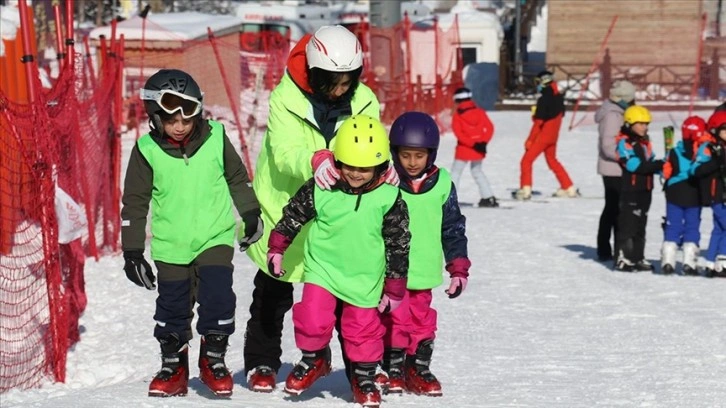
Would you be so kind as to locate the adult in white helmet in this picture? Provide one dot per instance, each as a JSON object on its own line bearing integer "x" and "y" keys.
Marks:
{"x": 319, "y": 90}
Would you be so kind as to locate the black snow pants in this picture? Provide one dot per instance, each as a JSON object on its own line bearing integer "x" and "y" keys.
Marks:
{"x": 609, "y": 218}
{"x": 632, "y": 221}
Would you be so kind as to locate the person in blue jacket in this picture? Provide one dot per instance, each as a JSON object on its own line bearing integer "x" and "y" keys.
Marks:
{"x": 683, "y": 206}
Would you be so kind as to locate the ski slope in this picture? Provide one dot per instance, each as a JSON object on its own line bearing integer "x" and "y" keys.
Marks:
{"x": 541, "y": 324}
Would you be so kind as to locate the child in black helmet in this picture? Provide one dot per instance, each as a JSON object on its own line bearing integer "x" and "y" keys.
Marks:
{"x": 187, "y": 167}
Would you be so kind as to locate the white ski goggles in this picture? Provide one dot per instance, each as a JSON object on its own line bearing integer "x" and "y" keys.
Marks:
{"x": 173, "y": 101}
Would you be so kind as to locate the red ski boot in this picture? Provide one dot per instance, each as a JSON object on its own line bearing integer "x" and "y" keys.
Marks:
{"x": 173, "y": 377}
{"x": 212, "y": 370}
{"x": 314, "y": 364}
{"x": 363, "y": 385}
{"x": 419, "y": 379}
{"x": 393, "y": 360}
{"x": 262, "y": 379}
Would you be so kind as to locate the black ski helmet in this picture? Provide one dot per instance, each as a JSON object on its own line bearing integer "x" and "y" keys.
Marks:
{"x": 174, "y": 80}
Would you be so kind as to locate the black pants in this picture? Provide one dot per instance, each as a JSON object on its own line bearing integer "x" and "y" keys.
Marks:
{"x": 632, "y": 221}
{"x": 271, "y": 299}
{"x": 207, "y": 281}
{"x": 609, "y": 216}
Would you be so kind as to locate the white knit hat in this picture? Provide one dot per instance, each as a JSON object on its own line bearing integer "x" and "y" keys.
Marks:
{"x": 622, "y": 90}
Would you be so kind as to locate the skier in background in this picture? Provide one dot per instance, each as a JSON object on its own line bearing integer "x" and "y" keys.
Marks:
{"x": 609, "y": 119}
{"x": 187, "y": 167}
{"x": 473, "y": 131}
{"x": 320, "y": 89}
{"x": 438, "y": 240}
{"x": 683, "y": 204}
{"x": 636, "y": 156}
{"x": 710, "y": 168}
{"x": 356, "y": 253}
{"x": 547, "y": 119}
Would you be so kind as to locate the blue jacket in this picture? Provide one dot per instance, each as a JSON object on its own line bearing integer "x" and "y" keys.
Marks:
{"x": 635, "y": 155}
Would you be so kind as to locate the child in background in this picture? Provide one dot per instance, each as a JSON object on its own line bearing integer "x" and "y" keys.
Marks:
{"x": 186, "y": 169}
{"x": 635, "y": 154}
{"x": 543, "y": 136}
{"x": 710, "y": 169}
{"x": 364, "y": 212}
{"x": 437, "y": 235}
{"x": 473, "y": 130}
{"x": 683, "y": 204}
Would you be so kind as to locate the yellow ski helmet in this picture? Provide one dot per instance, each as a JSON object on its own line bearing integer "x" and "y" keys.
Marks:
{"x": 636, "y": 114}
{"x": 361, "y": 141}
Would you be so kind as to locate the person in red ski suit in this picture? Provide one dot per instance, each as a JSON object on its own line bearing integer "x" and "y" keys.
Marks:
{"x": 547, "y": 119}
{"x": 473, "y": 130}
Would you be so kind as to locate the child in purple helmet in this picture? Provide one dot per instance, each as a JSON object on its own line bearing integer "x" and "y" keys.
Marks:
{"x": 437, "y": 234}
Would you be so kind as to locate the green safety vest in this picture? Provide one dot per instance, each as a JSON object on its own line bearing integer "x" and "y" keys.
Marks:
{"x": 191, "y": 207}
{"x": 344, "y": 250}
{"x": 425, "y": 211}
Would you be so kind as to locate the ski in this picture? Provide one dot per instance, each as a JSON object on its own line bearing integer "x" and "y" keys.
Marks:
{"x": 668, "y": 140}
{"x": 531, "y": 200}
{"x": 472, "y": 205}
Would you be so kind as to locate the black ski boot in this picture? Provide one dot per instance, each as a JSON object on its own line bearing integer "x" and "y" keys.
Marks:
{"x": 490, "y": 202}
{"x": 391, "y": 381}
{"x": 363, "y": 385}
{"x": 419, "y": 379}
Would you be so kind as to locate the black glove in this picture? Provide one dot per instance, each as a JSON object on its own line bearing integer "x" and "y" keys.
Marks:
{"x": 481, "y": 147}
{"x": 252, "y": 231}
{"x": 138, "y": 270}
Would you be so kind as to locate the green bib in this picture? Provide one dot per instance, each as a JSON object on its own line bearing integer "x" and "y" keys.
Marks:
{"x": 191, "y": 207}
{"x": 344, "y": 250}
{"x": 426, "y": 260}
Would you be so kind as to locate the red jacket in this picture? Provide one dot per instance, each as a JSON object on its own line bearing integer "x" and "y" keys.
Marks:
{"x": 471, "y": 125}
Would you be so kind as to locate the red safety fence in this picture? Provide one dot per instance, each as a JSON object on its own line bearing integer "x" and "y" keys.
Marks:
{"x": 60, "y": 153}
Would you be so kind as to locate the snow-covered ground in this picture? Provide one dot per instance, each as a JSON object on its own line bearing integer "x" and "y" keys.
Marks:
{"x": 541, "y": 324}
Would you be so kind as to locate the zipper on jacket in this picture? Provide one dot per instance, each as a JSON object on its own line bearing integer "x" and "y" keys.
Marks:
{"x": 184, "y": 154}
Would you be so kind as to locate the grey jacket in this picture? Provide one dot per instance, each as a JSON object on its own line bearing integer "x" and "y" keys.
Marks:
{"x": 609, "y": 118}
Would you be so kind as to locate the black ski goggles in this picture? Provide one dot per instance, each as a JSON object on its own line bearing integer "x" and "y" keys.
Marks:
{"x": 173, "y": 101}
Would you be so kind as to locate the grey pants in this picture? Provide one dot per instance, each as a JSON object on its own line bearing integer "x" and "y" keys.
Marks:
{"x": 476, "y": 172}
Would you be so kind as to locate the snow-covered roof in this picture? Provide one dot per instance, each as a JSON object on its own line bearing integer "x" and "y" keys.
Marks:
{"x": 9, "y": 24}
{"x": 183, "y": 26}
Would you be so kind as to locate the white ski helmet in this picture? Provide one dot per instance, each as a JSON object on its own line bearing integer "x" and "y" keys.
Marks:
{"x": 335, "y": 49}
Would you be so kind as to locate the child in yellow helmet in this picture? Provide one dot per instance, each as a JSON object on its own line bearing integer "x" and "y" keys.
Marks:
{"x": 635, "y": 155}
{"x": 362, "y": 211}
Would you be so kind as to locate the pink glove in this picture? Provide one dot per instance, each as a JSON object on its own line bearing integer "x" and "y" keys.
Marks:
{"x": 387, "y": 305}
{"x": 457, "y": 285}
{"x": 277, "y": 244}
{"x": 324, "y": 170}
{"x": 459, "y": 270}
{"x": 393, "y": 292}
{"x": 391, "y": 175}
{"x": 274, "y": 264}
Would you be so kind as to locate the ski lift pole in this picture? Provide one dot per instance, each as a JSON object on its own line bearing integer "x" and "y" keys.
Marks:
{"x": 232, "y": 103}
{"x": 594, "y": 65}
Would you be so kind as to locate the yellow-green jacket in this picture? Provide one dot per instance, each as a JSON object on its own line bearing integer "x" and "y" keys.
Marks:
{"x": 283, "y": 165}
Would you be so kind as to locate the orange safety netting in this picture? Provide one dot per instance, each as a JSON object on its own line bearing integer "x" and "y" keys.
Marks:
{"x": 66, "y": 138}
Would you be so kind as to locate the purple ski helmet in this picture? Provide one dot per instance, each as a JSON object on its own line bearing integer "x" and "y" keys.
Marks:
{"x": 414, "y": 129}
